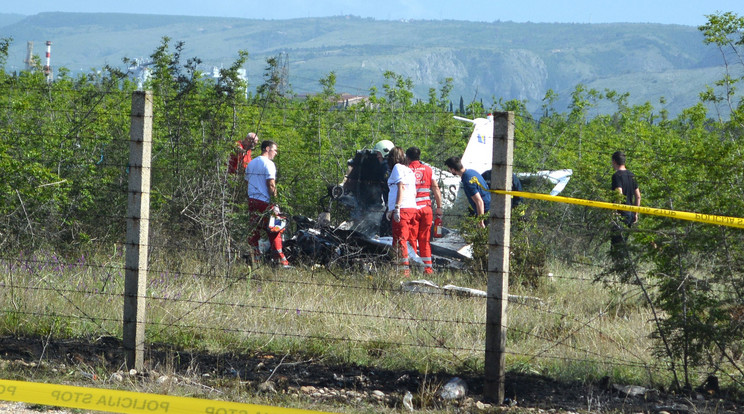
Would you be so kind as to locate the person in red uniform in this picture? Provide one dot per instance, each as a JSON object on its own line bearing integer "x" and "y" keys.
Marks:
{"x": 425, "y": 188}
{"x": 242, "y": 155}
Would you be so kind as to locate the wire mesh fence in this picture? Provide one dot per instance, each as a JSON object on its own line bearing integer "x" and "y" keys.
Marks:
{"x": 569, "y": 313}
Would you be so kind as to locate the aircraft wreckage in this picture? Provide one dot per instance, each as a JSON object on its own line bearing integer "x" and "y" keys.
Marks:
{"x": 365, "y": 240}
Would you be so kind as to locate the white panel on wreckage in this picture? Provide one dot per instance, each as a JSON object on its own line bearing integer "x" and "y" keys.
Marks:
{"x": 478, "y": 156}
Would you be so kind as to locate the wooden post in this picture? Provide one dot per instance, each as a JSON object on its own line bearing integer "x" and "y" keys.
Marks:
{"x": 499, "y": 226}
{"x": 138, "y": 229}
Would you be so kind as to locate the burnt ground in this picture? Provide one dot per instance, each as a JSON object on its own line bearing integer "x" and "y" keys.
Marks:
{"x": 307, "y": 377}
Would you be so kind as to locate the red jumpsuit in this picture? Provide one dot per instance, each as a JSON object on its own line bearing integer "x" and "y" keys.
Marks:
{"x": 239, "y": 159}
{"x": 259, "y": 212}
{"x": 420, "y": 233}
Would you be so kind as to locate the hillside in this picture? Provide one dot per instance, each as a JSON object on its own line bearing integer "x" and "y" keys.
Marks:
{"x": 8, "y": 19}
{"x": 487, "y": 61}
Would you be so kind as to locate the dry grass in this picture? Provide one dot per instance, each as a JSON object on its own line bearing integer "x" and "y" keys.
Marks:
{"x": 581, "y": 330}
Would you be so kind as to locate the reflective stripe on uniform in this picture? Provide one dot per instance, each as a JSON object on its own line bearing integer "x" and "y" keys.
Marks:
{"x": 423, "y": 183}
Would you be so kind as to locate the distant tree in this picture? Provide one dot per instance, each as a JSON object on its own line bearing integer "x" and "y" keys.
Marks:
{"x": 4, "y": 45}
{"x": 276, "y": 87}
{"x": 726, "y": 32}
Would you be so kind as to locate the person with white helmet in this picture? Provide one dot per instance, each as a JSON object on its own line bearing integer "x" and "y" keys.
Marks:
{"x": 366, "y": 186}
{"x": 383, "y": 148}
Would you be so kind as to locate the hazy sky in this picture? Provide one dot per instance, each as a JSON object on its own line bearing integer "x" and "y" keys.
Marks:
{"x": 686, "y": 12}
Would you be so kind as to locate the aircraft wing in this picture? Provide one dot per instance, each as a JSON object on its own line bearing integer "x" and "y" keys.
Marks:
{"x": 559, "y": 178}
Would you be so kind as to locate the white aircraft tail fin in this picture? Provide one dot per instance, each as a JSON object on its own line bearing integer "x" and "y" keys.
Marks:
{"x": 478, "y": 154}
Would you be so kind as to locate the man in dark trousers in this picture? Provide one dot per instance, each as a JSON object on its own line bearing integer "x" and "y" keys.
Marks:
{"x": 624, "y": 182}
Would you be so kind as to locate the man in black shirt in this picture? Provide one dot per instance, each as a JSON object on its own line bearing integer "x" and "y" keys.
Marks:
{"x": 624, "y": 182}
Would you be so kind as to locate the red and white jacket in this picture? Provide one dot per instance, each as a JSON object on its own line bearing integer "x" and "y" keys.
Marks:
{"x": 423, "y": 174}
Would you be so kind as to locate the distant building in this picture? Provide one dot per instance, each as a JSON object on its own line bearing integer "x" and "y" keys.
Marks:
{"x": 141, "y": 72}
{"x": 216, "y": 74}
{"x": 345, "y": 100}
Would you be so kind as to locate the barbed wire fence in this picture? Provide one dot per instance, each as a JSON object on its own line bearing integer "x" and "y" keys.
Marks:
{"x": 225, "y": 301}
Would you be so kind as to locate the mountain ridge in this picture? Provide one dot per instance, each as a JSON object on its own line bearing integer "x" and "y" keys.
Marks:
{"x": 488, "y": 61}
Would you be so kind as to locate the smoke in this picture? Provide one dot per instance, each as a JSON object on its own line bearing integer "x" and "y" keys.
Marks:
{"x": 364, "y": 219}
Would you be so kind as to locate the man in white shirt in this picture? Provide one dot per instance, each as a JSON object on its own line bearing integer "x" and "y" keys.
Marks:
{"x": 261, "y": 177}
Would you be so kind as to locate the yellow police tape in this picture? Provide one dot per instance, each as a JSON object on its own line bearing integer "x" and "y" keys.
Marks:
{"x": 114, "y": 401}
{"x": 682, "y": 215}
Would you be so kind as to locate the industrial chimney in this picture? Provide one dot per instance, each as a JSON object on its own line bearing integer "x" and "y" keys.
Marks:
{"x": 48, "y": 67}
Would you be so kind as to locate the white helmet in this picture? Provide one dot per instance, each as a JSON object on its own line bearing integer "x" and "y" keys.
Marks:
{"x": 384, "y": 147}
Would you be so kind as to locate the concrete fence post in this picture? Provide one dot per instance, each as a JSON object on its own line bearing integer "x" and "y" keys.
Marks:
{"x": 138, "y": 221}
{"x": 499, "y": 225}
